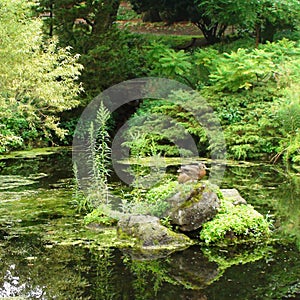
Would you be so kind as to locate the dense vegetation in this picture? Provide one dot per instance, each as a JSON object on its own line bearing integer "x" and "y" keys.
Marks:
{"x": 213, "y": 17}
{"x": 59, "y": 55}
{"x": 38, "y": 79}
{"x": 254, "y": 91}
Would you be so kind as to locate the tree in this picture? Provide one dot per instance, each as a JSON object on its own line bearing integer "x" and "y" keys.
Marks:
{"x": 88, "y": 27}
{"x": 38, "y": 79}
{"x": 78, "y": 23}
{"x": 214, "y": 16}
{"x": 274, "y": 15}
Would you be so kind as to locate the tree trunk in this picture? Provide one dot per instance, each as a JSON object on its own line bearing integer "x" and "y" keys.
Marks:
{"x": 257, "y": 35}
{"x": 212, "y": 32}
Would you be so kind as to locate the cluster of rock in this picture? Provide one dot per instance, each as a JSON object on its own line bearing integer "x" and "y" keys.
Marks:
{"x": 189, "y": 208}
{"x": 187, "y": 211}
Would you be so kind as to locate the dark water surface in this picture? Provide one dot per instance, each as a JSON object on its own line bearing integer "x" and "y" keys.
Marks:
{"x": 46, "y": 253}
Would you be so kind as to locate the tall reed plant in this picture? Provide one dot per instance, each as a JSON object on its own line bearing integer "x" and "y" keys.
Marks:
{"x": 99, "y": 157}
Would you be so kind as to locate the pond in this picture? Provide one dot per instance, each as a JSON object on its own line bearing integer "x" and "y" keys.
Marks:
{"x": 46, "y": 252}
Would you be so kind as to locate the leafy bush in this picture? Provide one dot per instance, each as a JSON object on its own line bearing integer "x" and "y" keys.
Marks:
{"x": 155, "y": 198}
{"x": 249, "y": 121}
{"x": 166, "y": 62}
{"x": 165, "y": 123}
{"x": 38, "y": 79}
{"x": 246, "y": 69}
{"x": 152, "y": 201}
{"x": 246, "y": 88}
{"x": 289, "y": 118}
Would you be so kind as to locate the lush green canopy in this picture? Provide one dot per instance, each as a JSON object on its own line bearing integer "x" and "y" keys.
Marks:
{"x": 37, "y": 79}
{"x": 214, "y": 16}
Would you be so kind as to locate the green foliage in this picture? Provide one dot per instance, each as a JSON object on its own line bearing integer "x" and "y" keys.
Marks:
{"x": 249, "y": 121}
{"x": 166, "y": 122}
{"x": 99, "y": 152}
{"x": 214, "y": 16}
{"x": 248, "y": 89}
{"x": 98, "y": 216}
{"x": 78, "y": 24}
{"x": 166, "y": 222}
{"x": 88, "y": 27}
{"x": 155, "y": 197}
{"x": 38, "y": 79}
{"x": 117, "y": 53}
{"x": 273, "y": 16}
{"x": 126, "y": 13}
{"x": 289, "y": 119}
{"x": 245, "y": 69}
{"x": 81, "y": 201}
{"x": 166, "y": 62}
{"x": 144, "y": 200}
{"x": 235, "y": 224}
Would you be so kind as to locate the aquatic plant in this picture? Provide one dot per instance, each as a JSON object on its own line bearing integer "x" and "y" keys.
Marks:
{"x": 99, "y": 153}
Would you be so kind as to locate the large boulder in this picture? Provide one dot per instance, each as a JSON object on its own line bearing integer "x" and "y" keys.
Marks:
{"x": 150, "y": 236}
{"x": 189, "y": 210}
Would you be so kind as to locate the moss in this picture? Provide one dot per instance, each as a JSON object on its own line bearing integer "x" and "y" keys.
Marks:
{"x": 235, "y": 225}
{"x": 99, "y": 217}
{"x": 194, "y": 191}
{"x": 33, "y": 152}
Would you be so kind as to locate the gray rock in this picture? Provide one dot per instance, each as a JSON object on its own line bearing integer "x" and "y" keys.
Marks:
{"x": 150, "y": 236}
{"x": 190, "y": 210}
{"x": 234, "y": 196}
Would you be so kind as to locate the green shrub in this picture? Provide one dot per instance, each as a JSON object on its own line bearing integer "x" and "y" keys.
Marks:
{"x": 167, "y": 122}
{"x": 235, "y": 224}
{"x": 247, "y": 90}
{"x": 39, "y": 80}
{"x": 155, "y": 198}
{"x": 289, "y": 118}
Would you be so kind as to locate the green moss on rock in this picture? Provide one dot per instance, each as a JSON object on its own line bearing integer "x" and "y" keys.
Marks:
{"x": 234, "y": 225}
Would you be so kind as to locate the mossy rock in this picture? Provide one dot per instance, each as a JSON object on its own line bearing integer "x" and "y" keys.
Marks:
{"x": 193, "y": 206}
{"x": 150, "y": 236}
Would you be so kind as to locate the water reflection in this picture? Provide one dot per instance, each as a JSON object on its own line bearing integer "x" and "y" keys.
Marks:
{"x": 35, "y": 270}
{"x": 36, "y": 218}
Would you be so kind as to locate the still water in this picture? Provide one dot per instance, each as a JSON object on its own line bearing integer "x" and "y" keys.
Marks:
{"x": 46, "y": 252}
